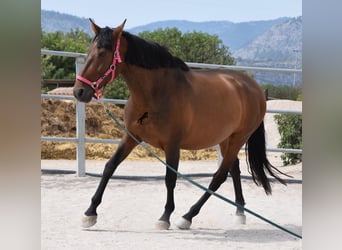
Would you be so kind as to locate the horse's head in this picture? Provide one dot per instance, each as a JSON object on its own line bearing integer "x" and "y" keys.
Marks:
{"x": 101, "y": 65}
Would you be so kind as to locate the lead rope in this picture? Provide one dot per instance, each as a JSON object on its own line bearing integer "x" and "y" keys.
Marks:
{"x": 193, "y": 182}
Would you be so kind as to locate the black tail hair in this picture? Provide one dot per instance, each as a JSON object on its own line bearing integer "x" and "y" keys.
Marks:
{"x": 257, "y": 160}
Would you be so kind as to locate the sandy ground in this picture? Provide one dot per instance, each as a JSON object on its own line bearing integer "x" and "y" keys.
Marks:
{"x": 130, "y": 208}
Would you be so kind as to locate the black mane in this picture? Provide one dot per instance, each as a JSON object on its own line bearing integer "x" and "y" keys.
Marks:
{"x": 141, "y": 52}
{"x": 150, "y": 55}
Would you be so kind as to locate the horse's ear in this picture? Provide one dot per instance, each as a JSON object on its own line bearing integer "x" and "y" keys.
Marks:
{"x": 120, "y": 28}
{"x": 94, "y": 27}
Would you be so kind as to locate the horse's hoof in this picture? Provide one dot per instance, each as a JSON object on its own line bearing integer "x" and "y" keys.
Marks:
{"x": 240, "y": 219}
{"x": 162, "y": 225}
{"x": 183, "y": 224}
{"x": 88, "y": 221}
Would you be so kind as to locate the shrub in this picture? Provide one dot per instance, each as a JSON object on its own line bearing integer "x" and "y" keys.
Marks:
{"x": 117, "y": 89}
{"x": 282, "y": 91}
{"x": 290, "y": 130}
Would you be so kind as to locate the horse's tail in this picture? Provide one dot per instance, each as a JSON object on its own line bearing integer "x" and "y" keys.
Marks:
{"x": 257, "y": 160}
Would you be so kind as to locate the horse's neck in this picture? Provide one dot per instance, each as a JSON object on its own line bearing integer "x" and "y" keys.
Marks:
{"x": 142, "y": 83}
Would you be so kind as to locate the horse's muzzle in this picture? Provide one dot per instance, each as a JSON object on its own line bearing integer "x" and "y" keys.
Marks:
{"x": 82, "y": 94}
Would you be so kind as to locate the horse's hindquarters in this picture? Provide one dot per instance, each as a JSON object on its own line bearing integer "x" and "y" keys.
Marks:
{"x": 222, "y": 103}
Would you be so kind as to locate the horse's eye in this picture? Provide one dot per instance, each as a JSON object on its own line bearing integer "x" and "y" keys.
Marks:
{"x": 102, "y": 54}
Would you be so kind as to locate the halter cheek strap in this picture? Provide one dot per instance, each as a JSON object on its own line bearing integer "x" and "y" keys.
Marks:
{"x": 111, "y": 70}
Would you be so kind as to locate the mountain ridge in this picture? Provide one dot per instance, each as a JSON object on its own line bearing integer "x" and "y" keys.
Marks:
{"x": 234, "y": 35}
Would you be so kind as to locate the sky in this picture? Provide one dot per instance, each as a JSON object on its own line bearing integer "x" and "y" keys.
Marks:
{"x": 139, "y": 12}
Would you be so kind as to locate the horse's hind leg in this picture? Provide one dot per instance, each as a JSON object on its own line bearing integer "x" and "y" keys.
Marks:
{"x": 126, "y": 146}
{"x": 219, "y": 177}
{"x": 235, "y": 173}
{"x": 227, "y": 164}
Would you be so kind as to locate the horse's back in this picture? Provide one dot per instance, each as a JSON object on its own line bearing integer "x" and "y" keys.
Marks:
{"x": 236, "y": 92}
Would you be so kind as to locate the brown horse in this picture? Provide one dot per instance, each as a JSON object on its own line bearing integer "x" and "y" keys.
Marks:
{"x": 173, "y": 107}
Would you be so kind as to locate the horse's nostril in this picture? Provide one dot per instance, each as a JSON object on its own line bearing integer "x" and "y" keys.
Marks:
{"x": 78, "y": 93}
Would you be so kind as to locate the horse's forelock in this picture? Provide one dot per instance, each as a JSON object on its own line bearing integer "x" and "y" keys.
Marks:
{"x": 104, "y": 38}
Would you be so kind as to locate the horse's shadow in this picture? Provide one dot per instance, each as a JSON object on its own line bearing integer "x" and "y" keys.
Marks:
{"x": 212, "y": 234}
{"x": 245, "y": 235}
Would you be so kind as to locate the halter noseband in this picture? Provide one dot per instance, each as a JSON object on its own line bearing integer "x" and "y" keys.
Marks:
{"x": 111, "y": 70}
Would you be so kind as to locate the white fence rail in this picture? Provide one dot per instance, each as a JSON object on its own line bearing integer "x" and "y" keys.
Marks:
{"x": 80, "y": 138}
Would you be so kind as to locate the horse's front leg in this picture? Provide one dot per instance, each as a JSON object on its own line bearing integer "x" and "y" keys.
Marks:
{"x": 172, "y": 159}
{"x": 126, "y": 146}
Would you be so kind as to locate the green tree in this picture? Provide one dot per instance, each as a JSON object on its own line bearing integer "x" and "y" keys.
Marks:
{"x": 46, "y": 67}
{"x": 290, "y": 130}
{"x": 170, "y": 38}
{"x": 117, "y": 89}
{"x": 204, "y": 48}
{"x": 62, "y": 67}
{"x": 192, "y": 46}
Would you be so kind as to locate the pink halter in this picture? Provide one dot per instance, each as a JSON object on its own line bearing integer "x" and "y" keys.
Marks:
{"x": 111, "y": 70}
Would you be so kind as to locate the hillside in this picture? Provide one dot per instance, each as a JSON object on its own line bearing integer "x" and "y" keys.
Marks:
{"x": 234, "y": 35}
{"x": 52, "y": 21}
{"x": 278, "y": 44}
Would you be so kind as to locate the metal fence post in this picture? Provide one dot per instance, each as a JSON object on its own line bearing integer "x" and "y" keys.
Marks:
{"x": 80, "y": 127}
{"x": 219, "y": 156}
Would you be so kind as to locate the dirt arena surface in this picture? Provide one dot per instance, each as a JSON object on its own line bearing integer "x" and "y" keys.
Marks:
{"x": 130, "y": 208}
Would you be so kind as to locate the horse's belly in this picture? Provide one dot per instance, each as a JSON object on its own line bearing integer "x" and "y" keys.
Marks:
{"x": 206, "y": 136}
{"x": 192, "y": 145}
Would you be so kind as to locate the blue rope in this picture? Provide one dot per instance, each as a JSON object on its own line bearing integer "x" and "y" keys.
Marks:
{"x": 195, "y": 183}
